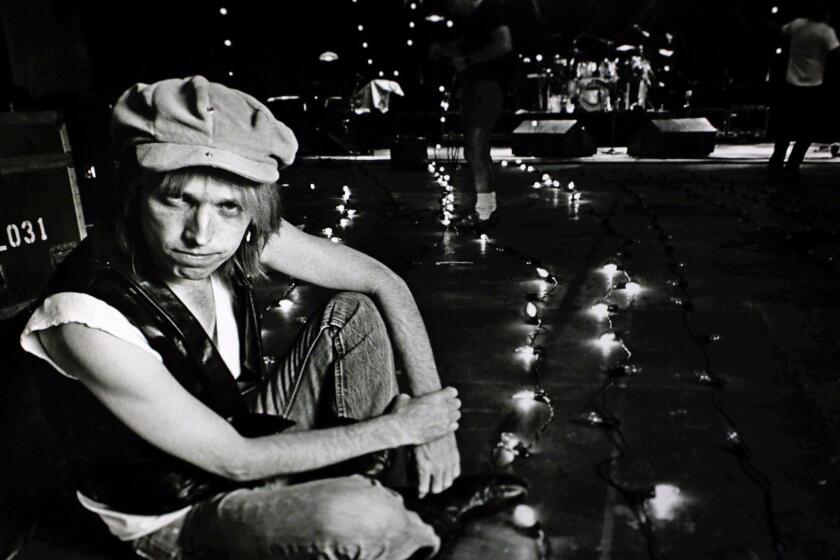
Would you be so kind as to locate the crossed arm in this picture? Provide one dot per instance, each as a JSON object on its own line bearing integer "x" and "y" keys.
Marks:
{"x": 142, "y": 393}
{"x": 340, "y": 267}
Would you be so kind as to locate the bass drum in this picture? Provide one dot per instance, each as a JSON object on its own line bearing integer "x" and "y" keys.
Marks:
{"x": 593, "y": 95}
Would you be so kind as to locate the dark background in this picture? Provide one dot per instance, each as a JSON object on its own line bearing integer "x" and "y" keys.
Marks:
{"x": 57, "y": 47}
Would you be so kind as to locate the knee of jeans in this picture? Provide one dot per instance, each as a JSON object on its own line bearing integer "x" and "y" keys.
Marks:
{"x": 369, "y": 519}
{"x": 358, "y": 310}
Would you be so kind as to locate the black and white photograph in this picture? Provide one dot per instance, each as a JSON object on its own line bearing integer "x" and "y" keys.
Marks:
{"x": 420, "y": 279}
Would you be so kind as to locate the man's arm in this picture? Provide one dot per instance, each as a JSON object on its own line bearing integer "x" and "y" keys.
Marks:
{"x": 141, "y": 392}
{"x": 324, "y": 263}
{"x": 500, "y": 44}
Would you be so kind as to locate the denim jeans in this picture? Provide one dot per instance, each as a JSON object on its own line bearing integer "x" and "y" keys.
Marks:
{"x": 340, "y": 367}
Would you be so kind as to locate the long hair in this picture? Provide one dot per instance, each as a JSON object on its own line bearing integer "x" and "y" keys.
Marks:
{"x": 261, "y": 200}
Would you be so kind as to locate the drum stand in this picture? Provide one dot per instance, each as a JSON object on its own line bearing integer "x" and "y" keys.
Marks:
{"x": 613, "y": 90}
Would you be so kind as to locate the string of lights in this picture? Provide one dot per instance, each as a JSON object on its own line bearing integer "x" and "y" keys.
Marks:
{"x": 227, "y": 41}
{"x": 603, "y": 418}
{"x": 734, "y": 439}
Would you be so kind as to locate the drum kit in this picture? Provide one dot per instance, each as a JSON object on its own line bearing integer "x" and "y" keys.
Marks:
{"x": 594, "y": 75}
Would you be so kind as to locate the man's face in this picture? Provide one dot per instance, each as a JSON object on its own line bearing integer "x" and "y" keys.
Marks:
{"x": 192, "y": 232}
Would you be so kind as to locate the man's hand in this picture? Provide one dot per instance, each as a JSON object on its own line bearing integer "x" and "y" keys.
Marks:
{"x": 438, "y": 465}
{"x": 438, "y": 462}
{"x": 427, "y": 418}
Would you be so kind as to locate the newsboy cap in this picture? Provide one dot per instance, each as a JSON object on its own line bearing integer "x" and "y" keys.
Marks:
{"x": 189, "y": 122}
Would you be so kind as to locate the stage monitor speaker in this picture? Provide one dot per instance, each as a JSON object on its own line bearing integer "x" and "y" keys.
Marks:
{"x": 674, "y": 138}
{"x": 552, "y": 138}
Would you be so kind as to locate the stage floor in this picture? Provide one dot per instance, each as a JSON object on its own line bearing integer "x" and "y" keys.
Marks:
{"x": 733, "y": 153}
{"x": 719, "y": 440}
{"x": 719, "y": 250}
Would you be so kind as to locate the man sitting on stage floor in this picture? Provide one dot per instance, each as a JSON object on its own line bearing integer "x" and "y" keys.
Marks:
{"x": 179, "y": 438}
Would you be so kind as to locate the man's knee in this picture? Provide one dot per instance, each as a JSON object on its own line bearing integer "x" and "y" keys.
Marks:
{"x": 346, "y": 306}
{"x": 368, "y": 520}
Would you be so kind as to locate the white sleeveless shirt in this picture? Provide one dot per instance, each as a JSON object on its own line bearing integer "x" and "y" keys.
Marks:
{"x": 74, "y": 307}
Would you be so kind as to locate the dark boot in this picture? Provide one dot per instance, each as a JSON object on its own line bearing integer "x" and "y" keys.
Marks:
{"x": 470, "y": 497}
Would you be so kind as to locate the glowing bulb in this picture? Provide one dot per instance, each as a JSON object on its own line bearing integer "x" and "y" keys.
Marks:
{"x": 607, "y": 338}
{"x": 666, "y": 502}
{"x": 285, "y": 304}
{"x": 411, "y": 24}
{"x": 312, "y": 186}
{"x": 431, "y": 168}
{"x": 555, "y": 184}
{"x": 364, "y": 45}
{"x": 344, "y": 222}
{"x": 223, "y": 11}
{"x": 361, "y": 27}
{"x": 341, "y": 208}
{"x": 534, "y": 124}
{"x": 538, "y": 58}
{"x": 335, "y": 239}
{"x": 446, "y": 221}
{"x": 370, "y": 62}
{"x": 526, "y": 352}
{"x": 531, "y": 310}
{"x": 504, "y": 163}
{"x": 413, "y": 6}
{"x": 518, "y": 162}
{"x": 530, "y": 169}
{"x": 600, "y": 310}
{"x": 575, "y": 196}
{"x": 610, "y": 269}
{"x": 571, "y": 186}
{"x": 438, "y": 146}
{"x": 346, "y": 190}
{"x": 351, "y": 213}
{"x": 537, "y": 185}
{"x": 546, "y": 177}
{"x": 606, "y": 341}
{"x": 228, "y": 42}
{"x": 441, "y": 89}
{"x": 449, "y": 23}
{"x": 504, "y": 456}
{"x": 484, "y": 238}
{"x": 543, "y": 273}
{"x": 328, "y": 231}
{"x": 409, "y": 42}
{"x": 524, "y": 516}
{"x": 443, "y": 119}
{"x": 779, "y": 50}
{"x": 633, "y": 288}
{"x": 522, "y": 167}
{"x": 774, "y": 10}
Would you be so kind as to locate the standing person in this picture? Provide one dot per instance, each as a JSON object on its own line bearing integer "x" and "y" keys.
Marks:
{"x": 483, "y": 58}
{"x": 179, "y": 438}
{"x": 800, "y": 100}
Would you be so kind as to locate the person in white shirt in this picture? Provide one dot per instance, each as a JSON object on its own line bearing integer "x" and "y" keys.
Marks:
{"x": 800, "y": 102}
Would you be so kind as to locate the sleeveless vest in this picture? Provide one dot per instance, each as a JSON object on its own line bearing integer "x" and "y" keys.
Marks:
{"x": 112, "y": 464}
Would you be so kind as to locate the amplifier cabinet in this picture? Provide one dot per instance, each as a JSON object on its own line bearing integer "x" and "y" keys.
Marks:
{"x": 41, "y": 216}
